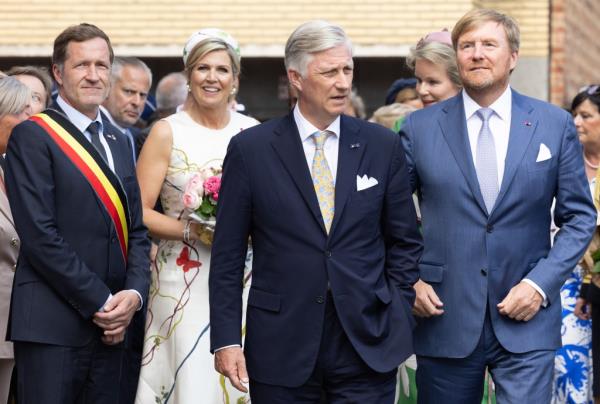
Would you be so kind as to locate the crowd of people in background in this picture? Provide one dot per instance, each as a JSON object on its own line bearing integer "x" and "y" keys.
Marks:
{"x": 134, "y": 317}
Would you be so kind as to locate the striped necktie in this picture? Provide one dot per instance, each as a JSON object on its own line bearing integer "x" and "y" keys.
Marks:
{"x": 322, "y": 179}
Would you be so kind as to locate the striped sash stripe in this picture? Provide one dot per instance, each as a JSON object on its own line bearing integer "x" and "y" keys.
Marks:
{"x": 105, "y": 184}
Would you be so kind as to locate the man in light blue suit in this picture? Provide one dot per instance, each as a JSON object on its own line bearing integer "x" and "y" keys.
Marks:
{"x": 487, "y": 165}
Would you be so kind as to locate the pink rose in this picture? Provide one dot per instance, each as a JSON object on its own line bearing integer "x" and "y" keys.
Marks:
{"x": 212, "y": 185}
{"x": 191, "y": 200}
{"x": 194, "y": 184}
{"x": 215, "y": 196}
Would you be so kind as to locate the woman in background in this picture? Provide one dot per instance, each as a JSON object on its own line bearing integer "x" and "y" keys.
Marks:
{"x": 15, "y": 107}
{"x": 580, "y": 295}
{"x": 434, "y": 62}
{"x": 38, "y": 81}
{"x": 177, "y": 365}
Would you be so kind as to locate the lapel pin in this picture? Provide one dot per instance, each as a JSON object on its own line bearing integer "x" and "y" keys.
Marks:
{"x": 527, "y": 123}
{"x": 355, "y": 145}
{"x": 111, "y": 136}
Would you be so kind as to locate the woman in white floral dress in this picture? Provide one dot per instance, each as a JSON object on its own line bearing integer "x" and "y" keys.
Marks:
{"x": 177, "y": 366}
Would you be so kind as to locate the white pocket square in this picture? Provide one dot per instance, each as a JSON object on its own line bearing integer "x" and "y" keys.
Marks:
{"x": 365, "y": 182}
{"x": 544, "y": 153}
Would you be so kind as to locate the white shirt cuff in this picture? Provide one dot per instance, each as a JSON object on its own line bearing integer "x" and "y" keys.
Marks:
{"x": 538, "y": 289}
{"x": 228, "y": 346}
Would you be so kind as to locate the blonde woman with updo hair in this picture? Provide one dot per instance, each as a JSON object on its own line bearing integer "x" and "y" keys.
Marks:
{"x": 433, "y": 60}
{"x": 177, "y": 366}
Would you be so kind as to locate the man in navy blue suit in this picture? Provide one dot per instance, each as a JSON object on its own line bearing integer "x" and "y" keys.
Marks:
{"x": 326, "y": 202}
{"x": 83, "y": 266}
{"x": 487, "y": 165}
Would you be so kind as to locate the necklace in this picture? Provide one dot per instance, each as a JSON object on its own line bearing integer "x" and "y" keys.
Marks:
{"x": 590, "y": 165}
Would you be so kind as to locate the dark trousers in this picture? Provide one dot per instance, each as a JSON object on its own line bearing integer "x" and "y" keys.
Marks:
{"x": 519, "y": 377}
{"x": 53, "y": 374}
{"x": 132, "y": 357}
{"x": 340, "y": 375}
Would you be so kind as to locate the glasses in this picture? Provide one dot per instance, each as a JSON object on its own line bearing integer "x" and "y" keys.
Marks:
{"x": 592, "y": 89}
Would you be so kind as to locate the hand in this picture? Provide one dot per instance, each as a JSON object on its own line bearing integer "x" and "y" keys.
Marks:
{"x": 230, "y": 362}
{"x": 582, "y": 309}
{"x": 113, "y": 339}
{"x": 522, "y": 302}
{"x": 117, "y": 313}
{"x": 427, "y": 302}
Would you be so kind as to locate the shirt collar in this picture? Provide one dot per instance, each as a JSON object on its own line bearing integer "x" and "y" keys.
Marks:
{"x": 306, "y": 129}
{"x": 112, "y": 120}
{"x": 502, "y": 106}
{"x": 78, "y": 119}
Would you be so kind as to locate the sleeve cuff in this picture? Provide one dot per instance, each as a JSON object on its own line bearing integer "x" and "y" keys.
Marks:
{"x": 538, "y": 289}
{"x": 101, "y": 309}
{"x": 227, "y": 346}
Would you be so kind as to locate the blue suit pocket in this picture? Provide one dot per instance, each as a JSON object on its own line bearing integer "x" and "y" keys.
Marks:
{"x": 264, "y": 300}
{"x": 432, "y": 273}
{"x": 383, "y": 295}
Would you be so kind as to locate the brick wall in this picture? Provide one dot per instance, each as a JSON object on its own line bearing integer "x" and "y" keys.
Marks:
{"x": 263, "y": 23}
{"x": 575, "y": 47}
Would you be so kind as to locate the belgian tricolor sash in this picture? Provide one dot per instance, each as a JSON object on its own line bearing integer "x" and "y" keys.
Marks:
{"x": 92, "y": 166}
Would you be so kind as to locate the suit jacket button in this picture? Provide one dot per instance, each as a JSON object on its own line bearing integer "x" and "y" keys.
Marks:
{"x": 320, "y": 299}
{"x": 484, "y": 271}
{"x": 328, "y": 254}
{"x": 14, "y": 242}
{"x": 489, "y": 228}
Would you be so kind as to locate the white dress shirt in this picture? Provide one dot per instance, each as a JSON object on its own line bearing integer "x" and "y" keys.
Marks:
{"x": 331, "y": 146}
{"x": 82, "y": 122}
{"x": 500, "y": 127}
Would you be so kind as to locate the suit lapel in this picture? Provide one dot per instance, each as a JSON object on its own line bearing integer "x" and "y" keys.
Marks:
{"x": 350, "y": 152}
{"x": 454, "y": 128}
{"x": 288, "y": 147}
{"x": 522, "y": 128}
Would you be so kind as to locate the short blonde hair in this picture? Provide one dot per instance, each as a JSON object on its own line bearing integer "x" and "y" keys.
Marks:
{"x": 439, "y": 54}
{"x": 14, "y": 96}
{"x": 476, "y": 17}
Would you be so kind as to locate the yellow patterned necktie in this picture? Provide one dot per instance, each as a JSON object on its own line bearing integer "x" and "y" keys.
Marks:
{"x": 322, "y": 179}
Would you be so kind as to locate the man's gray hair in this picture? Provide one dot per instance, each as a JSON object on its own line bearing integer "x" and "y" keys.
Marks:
{"x": 171, "y": 91}
{"x": 312, "y": 37}
{"x": 14, "y": 96}
{"x": 122, "y": 61}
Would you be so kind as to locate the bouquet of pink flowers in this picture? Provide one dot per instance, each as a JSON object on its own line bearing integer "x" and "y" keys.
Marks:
{"x": 202, "y": 194}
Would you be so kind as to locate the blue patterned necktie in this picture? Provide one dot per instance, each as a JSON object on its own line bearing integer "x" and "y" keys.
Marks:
{"x": 485, "y": 161}
{"x": 322, "y": 179}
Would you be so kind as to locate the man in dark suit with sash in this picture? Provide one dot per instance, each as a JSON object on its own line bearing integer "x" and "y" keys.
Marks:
{"x": 83, "y": 266}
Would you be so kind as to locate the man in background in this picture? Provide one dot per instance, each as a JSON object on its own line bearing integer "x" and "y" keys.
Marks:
{"x": 130, "y": 82}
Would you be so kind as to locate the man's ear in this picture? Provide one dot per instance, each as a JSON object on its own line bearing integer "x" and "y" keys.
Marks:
{"x": 295, "y": 79}
{"x": 57, "y": 73}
